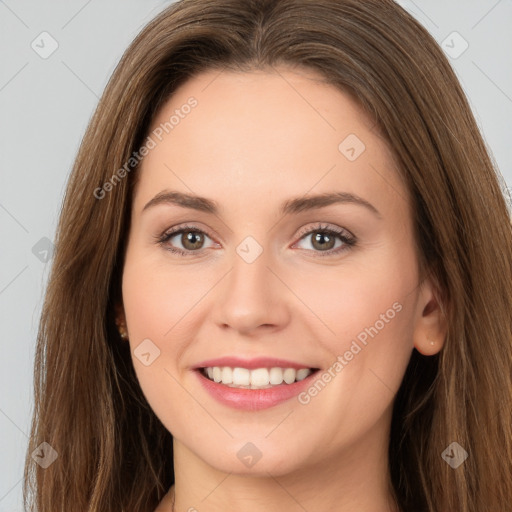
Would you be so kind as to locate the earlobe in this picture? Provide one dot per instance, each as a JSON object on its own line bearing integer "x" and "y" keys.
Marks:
{"x": 120, "y": 320}
{"x": 429, "y": 346}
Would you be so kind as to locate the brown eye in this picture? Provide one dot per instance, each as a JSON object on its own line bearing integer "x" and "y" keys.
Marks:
{"x": 323, "y": 240}
{"x": 326, "y": 240}
{"x": 192, "y": 240}
{"x": 184, "y": 240}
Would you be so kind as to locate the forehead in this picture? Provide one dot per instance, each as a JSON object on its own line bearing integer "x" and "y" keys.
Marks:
{"x": 277, "y": 130}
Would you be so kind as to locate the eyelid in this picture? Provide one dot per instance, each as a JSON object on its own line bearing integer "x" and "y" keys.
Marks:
{"x": 173, "y": 231}
{"x": 320, "y": 226}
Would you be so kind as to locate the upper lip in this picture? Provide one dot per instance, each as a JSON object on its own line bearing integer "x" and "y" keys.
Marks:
{"x": 258, "y": 362}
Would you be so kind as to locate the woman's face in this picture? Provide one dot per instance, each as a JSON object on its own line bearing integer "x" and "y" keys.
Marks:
{"x": 272, "y": 271}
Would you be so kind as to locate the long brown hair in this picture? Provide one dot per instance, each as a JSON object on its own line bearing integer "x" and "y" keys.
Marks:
{"x": 113, "y": 452}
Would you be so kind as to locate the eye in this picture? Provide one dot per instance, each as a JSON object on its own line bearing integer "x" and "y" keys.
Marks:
{"x": 190, "y": 238}
{"x": 323, "y": 239}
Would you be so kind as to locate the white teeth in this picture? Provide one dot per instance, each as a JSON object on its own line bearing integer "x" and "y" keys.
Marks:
{"x": 227, "y": 375}
{"x": 289, "y": 375}
{"x": 276, "y": 376}
{"x": 302, "y": 373}
{"x": 241, "y": 376}
{"x": 259, "y": 378}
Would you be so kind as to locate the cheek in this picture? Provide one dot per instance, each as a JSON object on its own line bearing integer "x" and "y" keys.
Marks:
{"x": 147, "y": 306}
{"x": 152, "y": 307}
{"x": 364, "y": 310}
{"x": 366, "y": 325}
{"x": 156, "y": 302}
{"x": 163, "y": 304}
{"x": 157, "y": 298}
{"x": 358, "y": 294}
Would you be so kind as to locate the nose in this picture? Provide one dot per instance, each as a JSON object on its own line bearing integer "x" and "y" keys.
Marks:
{"x": 252, "y": 297}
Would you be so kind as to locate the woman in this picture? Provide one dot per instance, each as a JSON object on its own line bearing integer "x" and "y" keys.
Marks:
{"x": 282, "y": 276}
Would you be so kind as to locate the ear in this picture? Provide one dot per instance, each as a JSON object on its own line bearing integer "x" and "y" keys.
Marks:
{"x": 430, "y": 327}
{"x": 120, "y": 321}
{"x": 119, "y": 314}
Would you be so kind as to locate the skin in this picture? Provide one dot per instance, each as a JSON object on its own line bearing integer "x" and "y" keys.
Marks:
{"x": 253, "y": 141}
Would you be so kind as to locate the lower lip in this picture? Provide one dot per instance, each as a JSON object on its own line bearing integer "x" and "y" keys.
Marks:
{"x": 253, "y": 399}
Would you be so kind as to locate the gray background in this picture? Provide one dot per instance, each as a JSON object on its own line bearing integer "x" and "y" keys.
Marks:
{"x": 46, "y": 103}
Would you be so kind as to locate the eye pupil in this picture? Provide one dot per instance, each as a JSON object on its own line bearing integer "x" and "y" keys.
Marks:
{"x": 320, "y": 237}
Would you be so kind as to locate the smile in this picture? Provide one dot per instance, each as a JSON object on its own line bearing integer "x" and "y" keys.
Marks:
{"x": 258, "y": 378}
{"x": 241, "y": 394}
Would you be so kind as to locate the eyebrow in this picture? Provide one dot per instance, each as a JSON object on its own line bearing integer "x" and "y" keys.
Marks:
{"x": 290, "y": 206}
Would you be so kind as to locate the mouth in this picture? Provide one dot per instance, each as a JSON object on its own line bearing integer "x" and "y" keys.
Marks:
{"x": 257, "y": 388}
{"x": 255, "y": 378}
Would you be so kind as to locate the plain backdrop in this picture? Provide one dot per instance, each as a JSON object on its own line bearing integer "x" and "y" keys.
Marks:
{"x": 56, "y": 57}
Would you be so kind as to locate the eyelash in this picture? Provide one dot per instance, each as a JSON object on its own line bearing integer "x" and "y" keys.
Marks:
{"x": 348, "y": 241}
